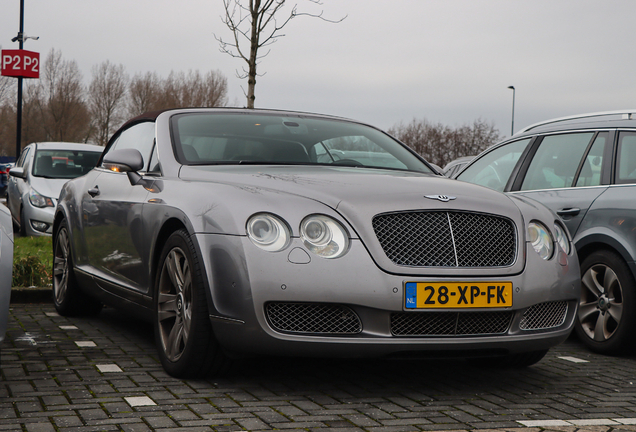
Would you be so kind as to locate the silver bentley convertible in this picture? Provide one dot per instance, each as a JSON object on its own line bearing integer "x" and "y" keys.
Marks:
{"x": 241, "y": 232}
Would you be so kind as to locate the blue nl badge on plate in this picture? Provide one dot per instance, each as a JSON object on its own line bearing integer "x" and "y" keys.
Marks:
{"x": 410, "y": 301}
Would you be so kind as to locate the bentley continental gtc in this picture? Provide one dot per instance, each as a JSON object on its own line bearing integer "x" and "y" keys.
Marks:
{"x": 252, "y": 232}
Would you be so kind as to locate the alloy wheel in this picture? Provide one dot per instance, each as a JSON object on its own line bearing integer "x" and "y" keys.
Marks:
{"x": 174, "y": 311}
{"x": 61, "y": 264}
{"x": 601, "y": 305}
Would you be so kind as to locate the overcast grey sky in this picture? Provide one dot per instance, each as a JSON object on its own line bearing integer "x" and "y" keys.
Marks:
{"x": 448, "y": 61}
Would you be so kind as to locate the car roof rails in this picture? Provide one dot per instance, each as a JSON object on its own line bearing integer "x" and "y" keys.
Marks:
{"x": 626, "y": 115}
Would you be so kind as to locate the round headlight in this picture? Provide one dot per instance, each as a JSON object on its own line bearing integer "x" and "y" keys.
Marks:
{"x": 562, "y": 238}
{"x": 541, "y": 240}
{"x": 324, "y": 236}
{"x": 268, "y": 232}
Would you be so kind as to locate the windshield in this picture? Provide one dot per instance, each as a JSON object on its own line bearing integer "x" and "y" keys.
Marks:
{"x": 239, "y": 138}
{"x": 64, "y": 164}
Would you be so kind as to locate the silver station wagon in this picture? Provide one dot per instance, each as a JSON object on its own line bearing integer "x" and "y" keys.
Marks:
{"x": 240, "y": 232}
{"x": 584, "y": 168}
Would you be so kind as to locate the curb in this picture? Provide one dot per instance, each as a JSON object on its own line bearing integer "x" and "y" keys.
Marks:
{"x": 31, "y": 295}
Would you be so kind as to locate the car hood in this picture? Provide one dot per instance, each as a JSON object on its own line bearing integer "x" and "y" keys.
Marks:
{"x": 48, "y": 187}
{"x": 358, "y": 194}
{"x": 354, "y": 191}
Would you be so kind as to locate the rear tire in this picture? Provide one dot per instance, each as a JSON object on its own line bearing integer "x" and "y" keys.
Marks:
{"x": 607, "y": 310}
{"x": 183, "y": 332}
{"x": 68, "y": 298}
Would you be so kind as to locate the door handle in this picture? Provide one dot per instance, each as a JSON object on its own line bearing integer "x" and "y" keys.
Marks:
{"x": 573, "y": 211}
{"x": 94, "y": 191}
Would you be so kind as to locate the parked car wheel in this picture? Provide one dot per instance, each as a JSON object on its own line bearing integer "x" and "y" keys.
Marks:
{"x": 68, "y": 298}
{"x": 187, "y": 346}
{"x": 606, "y": 315}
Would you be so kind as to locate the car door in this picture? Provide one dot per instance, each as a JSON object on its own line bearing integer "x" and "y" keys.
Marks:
{"x": 112, "y": 212}
{"x": 565, "y": 173}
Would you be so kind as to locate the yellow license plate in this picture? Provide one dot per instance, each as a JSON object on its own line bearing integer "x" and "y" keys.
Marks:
{"x": 424, "y": 295}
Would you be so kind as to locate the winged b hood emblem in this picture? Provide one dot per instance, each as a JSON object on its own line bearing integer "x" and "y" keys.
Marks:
{"x": 442, "y": 198}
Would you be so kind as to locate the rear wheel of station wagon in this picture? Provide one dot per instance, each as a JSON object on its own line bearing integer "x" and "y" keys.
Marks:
{"x": 187, "y": 346}
{"x": 606, "y": 315}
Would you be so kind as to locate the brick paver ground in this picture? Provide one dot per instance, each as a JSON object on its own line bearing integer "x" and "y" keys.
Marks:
{"x": 102, "y": 373}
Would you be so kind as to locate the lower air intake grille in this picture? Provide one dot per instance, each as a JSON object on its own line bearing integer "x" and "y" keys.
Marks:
{"x": 450, "y": 323}
{"x": 544, "y": 315}
{"x": 313, "y": 318}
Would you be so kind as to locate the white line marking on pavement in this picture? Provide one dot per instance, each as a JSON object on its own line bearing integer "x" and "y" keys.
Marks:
{"x": 108, "y": 368}
{"x": 69, "y": 327}
{"x": 573, "y": 359}
{"x": 593, "y": 422}
{"x": 578, "y": 422}
{"x": 134, "y": 401}
{"x": 543, "y": 423}
{"x": 85, "y": 344}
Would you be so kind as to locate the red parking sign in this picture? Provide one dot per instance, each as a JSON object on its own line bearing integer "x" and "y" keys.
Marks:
{"x": 20, "y": 63}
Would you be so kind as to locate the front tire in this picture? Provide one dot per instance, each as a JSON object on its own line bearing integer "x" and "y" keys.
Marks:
{"x": 607, "y": 309}
{"x": 68, "y": 298}
{"x": 183, "y": 332}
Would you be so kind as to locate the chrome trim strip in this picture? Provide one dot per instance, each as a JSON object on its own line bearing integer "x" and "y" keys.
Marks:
{"x": 225, "y": 319}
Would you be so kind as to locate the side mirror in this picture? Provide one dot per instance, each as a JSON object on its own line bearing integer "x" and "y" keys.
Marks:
{"x": 124, "y": 160}
{"x": 17, "y": 172}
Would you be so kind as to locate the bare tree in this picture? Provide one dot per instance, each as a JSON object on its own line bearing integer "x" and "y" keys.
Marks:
{"x": 8, "y": 99}
{"x": 255, "y": 25}
{"x": 441, "y": 144}
{"x": 8, "y": 89}
{"x": 59, "y": 100}
{"x": 149, "y": 92}
{"x": 142, "y": 93}
{"x": 106, "y": 98}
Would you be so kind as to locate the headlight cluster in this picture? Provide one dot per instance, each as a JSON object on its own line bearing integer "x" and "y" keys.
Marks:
{"x": 322, "y": 235}
{"x": 40, "y": 201}
{"x": 543, "y": 242}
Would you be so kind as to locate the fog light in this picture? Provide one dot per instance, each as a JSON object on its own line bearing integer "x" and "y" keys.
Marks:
{"x": 39, "y": 226}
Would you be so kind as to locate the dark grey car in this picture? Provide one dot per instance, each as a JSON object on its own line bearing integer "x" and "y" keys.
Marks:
{"x": 584, "y": 169}
{"x": 246, "y": 231}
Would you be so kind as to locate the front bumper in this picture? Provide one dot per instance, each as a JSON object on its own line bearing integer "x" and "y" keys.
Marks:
{"x": 39, "y": 221}
{"x": 245, "y": 281}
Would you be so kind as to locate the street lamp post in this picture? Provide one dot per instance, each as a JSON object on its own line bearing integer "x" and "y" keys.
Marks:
{"x": 512, "y": 127}
{"x": 20, "y": 38}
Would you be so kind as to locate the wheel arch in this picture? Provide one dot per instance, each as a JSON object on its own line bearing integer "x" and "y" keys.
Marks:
{"x": 585, "y": 246}
{"x": 170, "y": 226}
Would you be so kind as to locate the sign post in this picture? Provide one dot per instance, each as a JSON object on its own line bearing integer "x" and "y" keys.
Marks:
{"x": 21, "y": 64}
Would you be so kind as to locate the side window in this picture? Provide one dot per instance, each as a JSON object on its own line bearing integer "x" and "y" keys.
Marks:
{"x": 141, "y": 137}
{"x": 494, "y": 168}
{"x": 556, "y": 161}
{"x": 626, "y": 158}
{"x": 590, "y": 174}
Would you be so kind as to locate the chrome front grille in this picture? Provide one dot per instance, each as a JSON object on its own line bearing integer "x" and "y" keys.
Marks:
{"x": 313, "y": 318}
{"x": 446, "y": 239}
{"x": 450, "y": 323}
{"x": 544, "y": 316}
